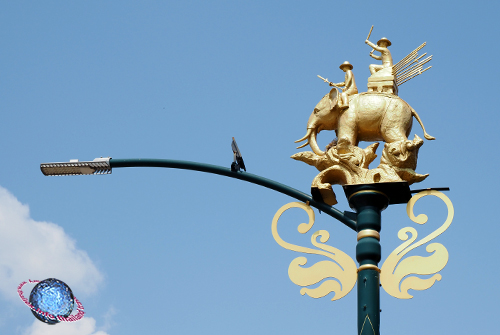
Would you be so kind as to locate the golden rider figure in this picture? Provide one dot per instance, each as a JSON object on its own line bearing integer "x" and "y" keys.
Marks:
{"x": 385, "y": 57}
{"x": 349, "y": 85}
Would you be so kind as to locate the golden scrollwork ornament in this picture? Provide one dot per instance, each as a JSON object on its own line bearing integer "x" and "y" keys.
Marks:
{"x": 396, "y": 270}
{"x": 341, "y": 267}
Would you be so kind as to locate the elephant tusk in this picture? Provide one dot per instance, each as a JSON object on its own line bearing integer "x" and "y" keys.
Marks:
{"x": 305, "y": 137}
{"x": 314, "y": 144}
{"x": 303, "y": 145}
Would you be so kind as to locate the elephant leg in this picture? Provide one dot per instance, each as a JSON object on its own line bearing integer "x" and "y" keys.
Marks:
{"x": 397, "y": 122}
{"x": 394, "y": 135}
{"x": 347, "y": 132}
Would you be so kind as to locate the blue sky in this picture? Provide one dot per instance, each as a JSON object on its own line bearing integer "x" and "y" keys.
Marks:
{"x": 159, "y": 251}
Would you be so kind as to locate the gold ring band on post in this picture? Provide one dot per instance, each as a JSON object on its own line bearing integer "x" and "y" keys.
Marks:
{"x": 368, "y": 191}
{"x": 368, "y": 233}
{"x": 369, "y": 267}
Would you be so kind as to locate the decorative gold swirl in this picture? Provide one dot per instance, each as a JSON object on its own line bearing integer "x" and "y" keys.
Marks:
{"x": 393, "y": 273}
{"x": 342, "y": 268}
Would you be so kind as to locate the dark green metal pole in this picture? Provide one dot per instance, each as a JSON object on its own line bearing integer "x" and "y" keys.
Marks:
{"x": 368, "y": 202}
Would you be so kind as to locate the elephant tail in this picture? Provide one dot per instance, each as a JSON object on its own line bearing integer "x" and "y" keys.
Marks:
{"x": 427, "y": 136}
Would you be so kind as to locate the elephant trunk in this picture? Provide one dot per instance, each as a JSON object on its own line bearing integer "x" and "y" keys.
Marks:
{"x": 314, "y": 144}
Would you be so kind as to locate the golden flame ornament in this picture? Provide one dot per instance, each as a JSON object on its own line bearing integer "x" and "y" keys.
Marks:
{"x": 341, "y": 267}
{"x": 396, "y": 270}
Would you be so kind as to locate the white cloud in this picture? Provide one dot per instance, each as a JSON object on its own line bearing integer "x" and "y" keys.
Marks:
{"x": 38, "y": 250}
{"x": 108, "y": 318}
{"x": 85, "y": 326}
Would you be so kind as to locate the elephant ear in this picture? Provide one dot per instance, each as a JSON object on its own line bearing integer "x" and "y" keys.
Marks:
{"x": 333, "y": 97}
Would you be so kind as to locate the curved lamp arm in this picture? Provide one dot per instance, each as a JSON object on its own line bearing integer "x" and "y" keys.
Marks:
{"x": 104, "y": 166}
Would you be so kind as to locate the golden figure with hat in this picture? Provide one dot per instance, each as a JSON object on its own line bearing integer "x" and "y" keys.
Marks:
{"x": 385, "y": 54}
{"x": 349, "y": 85}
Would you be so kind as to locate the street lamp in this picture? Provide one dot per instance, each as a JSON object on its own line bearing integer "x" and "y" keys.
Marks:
{"x": 368, "y": 200}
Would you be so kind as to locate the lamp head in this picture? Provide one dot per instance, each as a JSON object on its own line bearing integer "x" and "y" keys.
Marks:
{"x": 75, "y": 167}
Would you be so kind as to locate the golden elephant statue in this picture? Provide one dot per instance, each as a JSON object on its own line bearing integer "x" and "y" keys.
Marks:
{"x": 371, "y": 116}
